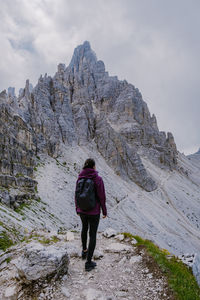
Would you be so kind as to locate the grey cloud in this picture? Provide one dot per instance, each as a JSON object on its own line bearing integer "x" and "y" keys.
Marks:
{"x": 153, "y": 44}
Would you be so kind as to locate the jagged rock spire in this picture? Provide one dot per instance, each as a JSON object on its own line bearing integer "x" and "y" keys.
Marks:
{"x": 83, "y": 54}
{"x": 83, "y": 104}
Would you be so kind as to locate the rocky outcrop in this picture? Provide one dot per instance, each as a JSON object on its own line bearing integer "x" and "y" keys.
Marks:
{"x": 28, "y": 268}
{"x": 121, "y": 156}
{"x": 82, "y": 103}
{"x": 17, "y": 150}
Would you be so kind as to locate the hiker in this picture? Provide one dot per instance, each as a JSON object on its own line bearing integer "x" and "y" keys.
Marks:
{"x": 90, "y": 198}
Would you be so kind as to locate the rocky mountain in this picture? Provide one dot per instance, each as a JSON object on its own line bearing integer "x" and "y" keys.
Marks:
{"x": 48, "y": 131}
{"x": 82, "y": 103}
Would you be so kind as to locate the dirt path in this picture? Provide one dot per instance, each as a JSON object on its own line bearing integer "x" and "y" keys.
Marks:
{"x": 124, "y": 272}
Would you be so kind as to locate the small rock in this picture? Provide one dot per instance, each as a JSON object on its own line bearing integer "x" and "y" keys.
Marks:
{"x": 109, "y": 232}
{"x": 65, "y": 292}
{"x": 135, "y": 259}
{"x": 65, "y": 277}
{"x": 145, "y": 271}
{"x": 98, "y": 254}
{"x": 133, "y": 241}
{"x": 11, "y": 293}
{"x": 70, "y": 236}
{"x": 92, "y": 294}
{"x": 119, "y": 237}
{"x": 128, "y": 271}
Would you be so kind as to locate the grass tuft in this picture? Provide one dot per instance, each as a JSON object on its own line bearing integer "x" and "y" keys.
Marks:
{"x": 5, "y": 241}
{"x": 19, "y": 210}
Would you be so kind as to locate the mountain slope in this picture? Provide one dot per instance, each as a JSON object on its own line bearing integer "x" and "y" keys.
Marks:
{"x": 170, "y": 216}
{"x": 152, "y": 190}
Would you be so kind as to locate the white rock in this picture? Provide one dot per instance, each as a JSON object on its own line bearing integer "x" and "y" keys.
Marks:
{"x": 135, "y": 259}
{"x": 11, "y": 293}
{"x": 118, "y": 247}
{"x": 109, "y": 232}
{"x": 70, "y": 236}
{"x": 133, "y": 241}
{"x": 92, "y": 294}
{"x": 98, "y": 254}
{"x": 65, "y": 292}
{"x": 119, "y": 237}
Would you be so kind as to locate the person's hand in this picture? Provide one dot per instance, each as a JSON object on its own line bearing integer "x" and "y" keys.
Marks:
{"x": 104, "y": 217}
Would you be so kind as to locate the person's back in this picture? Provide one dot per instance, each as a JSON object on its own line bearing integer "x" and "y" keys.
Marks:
{"x": 90, "y": 218}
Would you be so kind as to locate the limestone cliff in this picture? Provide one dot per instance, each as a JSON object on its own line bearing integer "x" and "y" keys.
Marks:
{"x": 83, "y": 104}
{"x": 17, "y": 150}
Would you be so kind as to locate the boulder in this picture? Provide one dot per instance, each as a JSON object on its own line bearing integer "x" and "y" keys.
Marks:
{"x": 39, "y": 262}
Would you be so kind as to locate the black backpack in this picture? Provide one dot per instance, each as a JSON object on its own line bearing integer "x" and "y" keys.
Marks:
{"x": 85, "y": 194}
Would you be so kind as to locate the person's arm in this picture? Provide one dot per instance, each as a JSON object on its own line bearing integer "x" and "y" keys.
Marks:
{"x": 101, "y": 195}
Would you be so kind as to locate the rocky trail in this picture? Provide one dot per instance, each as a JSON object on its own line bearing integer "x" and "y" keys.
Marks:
{"x": 123, "y": 272}
{"x": 56, "y": 271}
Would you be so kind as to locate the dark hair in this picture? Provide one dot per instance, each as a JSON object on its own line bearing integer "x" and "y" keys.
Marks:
{"x": 89, "y": 163}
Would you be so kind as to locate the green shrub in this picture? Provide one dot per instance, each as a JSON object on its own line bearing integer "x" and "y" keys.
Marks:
{"x": 5, "y": 241}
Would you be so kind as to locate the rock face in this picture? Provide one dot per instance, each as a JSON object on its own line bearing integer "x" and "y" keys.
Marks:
{"x": 83, "y": 104}
{"x": 17, "y": 150}
{"x": 29, "y": 268}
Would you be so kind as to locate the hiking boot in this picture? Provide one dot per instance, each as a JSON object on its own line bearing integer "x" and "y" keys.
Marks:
{"x": 84, "y": 254}
{"x": 90, "y": 265}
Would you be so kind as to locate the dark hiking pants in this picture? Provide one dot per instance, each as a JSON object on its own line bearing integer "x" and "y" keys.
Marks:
{"x": 91, "y": 222}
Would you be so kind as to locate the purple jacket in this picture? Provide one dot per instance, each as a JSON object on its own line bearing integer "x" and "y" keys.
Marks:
{"x": 99, "y": 187}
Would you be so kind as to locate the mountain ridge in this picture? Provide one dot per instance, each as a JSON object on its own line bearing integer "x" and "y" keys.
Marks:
{"x": 81, "y": 103}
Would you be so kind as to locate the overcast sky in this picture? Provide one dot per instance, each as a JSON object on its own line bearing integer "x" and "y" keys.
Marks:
{"x": 153, "y": 44}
